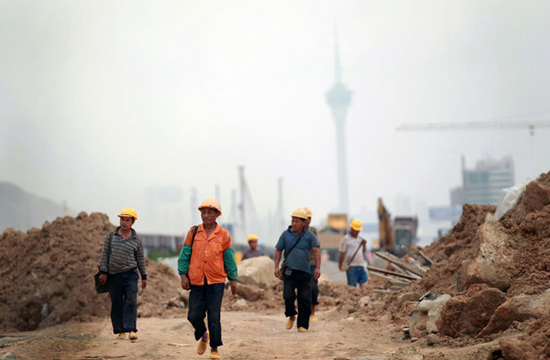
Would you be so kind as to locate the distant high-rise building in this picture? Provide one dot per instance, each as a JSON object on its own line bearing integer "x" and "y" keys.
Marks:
{"x": 483, "y": 185}
{"x": 339, "y": 99}
{"x": 457, "y": 196}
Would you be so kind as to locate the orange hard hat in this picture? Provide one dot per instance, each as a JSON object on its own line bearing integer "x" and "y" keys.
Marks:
{"x": 211, "y": 203}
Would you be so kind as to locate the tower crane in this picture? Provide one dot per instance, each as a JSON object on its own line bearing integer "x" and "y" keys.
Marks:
{"x": 475, "y": 125}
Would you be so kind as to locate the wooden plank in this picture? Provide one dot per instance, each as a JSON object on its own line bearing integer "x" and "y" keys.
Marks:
{"x": 391, "y": 279}
{"x": 397, "y": 261}
{"x": 430, "y": 262}
{"x": 389, "y": 272}
{"x": 414, "y": 255}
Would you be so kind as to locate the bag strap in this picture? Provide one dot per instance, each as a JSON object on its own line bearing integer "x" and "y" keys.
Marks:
{"x": 294, "y": 245}
{"x": 356, "y": 250}
{"x": 109, "y": 253}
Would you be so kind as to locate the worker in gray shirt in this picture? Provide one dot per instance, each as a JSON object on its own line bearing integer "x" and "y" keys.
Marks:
{"x": 121, "y": 258}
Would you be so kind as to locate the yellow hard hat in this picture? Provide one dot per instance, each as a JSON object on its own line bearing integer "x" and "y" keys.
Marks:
{"x": 211, "y": 203}
{"x": 308, "y": 212}
{"x": 252, "y": 237}
{"x": 128, "y": 212}
{"x": 300, "y": 213}
{"x": 356, "y": 225}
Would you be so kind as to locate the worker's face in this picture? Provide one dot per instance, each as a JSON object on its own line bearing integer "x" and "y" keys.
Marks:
{"x": 253, "y": 244}
{"x": 209, "y": 216}
{"x": 126, "y": 223}
{"x": 297, "y": 224}
{"x": 354, "y": 233}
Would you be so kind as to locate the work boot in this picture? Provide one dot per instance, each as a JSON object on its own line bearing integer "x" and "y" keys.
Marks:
{"x": 121, "y": 336}
{"x": 203, "y": 343}
{"x": 133, "y": 335}
{"x": 302, "y": 329}
{"x": 214, "y": 353}
{"x": 290, "y": 322}
{"x": 313, "y": 318}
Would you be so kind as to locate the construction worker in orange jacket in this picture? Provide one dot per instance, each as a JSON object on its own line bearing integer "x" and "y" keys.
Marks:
{"x": 206, "y": 260}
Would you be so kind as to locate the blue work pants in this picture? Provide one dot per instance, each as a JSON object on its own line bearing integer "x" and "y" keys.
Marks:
{"x": 123, "y": 288}
{"x": 357, "y": 275}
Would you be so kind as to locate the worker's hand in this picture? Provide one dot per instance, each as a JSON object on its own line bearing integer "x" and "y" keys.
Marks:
{"x": 233, "y": 284}
{"x": 143, "y": 284}
{"x": 277, "y": 272}
{"x": 103, "y": 278}
{"x": 184, "y": 282}
{"x": 317, "y": 272}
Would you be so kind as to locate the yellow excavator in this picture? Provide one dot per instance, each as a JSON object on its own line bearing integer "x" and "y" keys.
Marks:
{"x": 393, "y": 236}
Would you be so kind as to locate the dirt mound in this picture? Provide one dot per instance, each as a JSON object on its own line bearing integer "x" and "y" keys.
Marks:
{"x": 511, "y": 254}
{"x": 527, "y": 226}
{"x": 47, "y": 275}
{"x": 452, "y": 250}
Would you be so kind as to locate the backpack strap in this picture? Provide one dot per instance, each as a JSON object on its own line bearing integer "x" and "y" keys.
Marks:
{"x": 194, "y": 233}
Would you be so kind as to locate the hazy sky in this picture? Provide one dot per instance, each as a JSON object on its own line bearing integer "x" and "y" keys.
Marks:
{"x": 100, "y": 100}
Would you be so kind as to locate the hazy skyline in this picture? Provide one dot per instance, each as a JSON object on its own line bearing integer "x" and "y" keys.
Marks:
{"x": 103, "y": 100}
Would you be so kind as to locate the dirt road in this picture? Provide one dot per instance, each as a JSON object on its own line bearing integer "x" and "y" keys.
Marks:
{"x": 245, "y": 335}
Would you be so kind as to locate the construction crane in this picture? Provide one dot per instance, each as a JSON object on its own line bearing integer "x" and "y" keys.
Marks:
{"x": 475, "y": 125}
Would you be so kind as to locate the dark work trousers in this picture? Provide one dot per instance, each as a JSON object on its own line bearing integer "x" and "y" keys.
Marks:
{"x": 206, "y": 299}
{"x": 123, "y": 288}
{"x": 300, "y": 282}
{"x": 314, "y": 286}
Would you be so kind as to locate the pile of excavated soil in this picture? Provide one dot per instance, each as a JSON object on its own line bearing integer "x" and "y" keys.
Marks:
{"x": 527, "y": 224}
{"x": 47, "y": 275}
{"x": 526, "y": 227}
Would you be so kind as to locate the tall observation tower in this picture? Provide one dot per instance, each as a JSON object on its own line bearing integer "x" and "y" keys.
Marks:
{"x": 339, "y": 99}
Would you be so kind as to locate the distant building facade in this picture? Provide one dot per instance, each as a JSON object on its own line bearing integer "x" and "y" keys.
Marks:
{"x": 483, "y": 185}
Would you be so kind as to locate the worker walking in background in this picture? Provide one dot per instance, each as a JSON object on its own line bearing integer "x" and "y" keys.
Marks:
{"x": 314, "y": 280}
{"x": 296, "y": 242}
{"x": 205, "y": 260}
{"x": 352, "y": 255}
{"x": 253, "y": 250}
{"x": 121, "y": 258}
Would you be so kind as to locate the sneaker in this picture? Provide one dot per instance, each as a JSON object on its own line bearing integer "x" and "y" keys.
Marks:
{"x": 290, "y": 322}
{"x": 121, "y": 336}
{"x": 313, "y": 318}
{"x": 133, "y": 335}
{"x": 201, "y": 348}
{"x": 214, "y": 355}
{"x": 302, "y": 329}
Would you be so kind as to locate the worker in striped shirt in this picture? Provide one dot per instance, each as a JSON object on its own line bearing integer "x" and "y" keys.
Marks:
{"x": 121, "y": 258}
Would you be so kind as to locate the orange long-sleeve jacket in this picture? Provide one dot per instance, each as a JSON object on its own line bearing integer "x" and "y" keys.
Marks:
{"x": 211, "y": 258}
